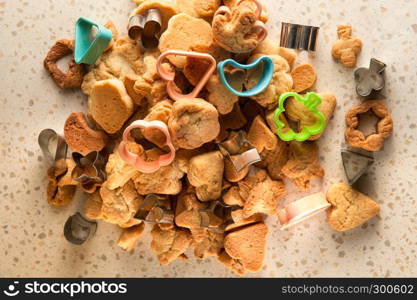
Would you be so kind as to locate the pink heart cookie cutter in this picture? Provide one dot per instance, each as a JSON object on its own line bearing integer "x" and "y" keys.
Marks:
{"x": 169, "y": 76}
{"x": 302, "y": 209}
{"x": 137, "y": 161}
{"x": 258, "y": 25}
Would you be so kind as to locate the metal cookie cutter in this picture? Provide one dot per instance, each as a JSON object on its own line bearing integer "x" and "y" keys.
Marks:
{"x": 88, "y": 170}
{"x": 356, "y": 162}
{"x": 301, "y": 37}
{"x": 146, "y": 27}
{"x": 88, "y": 48}
{"x": 268, "y": 71}
{"x": 137, "y": 161}
{"x": 53, "y": 146}
{"x": 370, "y": 79}
{"x": 219, "y": 209}
{"x": 302, "y": 209}
{"x": 151, "y": 210}
{"x": 169, "y": 77}
{"x": 231, "y": 149}
{"x": 78, "y": 229}
{"x": 311, "y": 101}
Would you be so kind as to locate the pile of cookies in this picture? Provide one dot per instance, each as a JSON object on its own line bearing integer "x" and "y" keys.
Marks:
{"x": 171, "y": 163}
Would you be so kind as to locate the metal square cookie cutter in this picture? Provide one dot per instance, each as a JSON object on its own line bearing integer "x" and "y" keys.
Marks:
{"x": 356, "y": 162}
{"x": 300, "y": 37}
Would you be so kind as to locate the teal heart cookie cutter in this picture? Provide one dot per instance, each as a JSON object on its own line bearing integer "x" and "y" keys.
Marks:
{"x": 268, "y": 70}
{"x": 311, "y": 101}
{"x": 88, "y": 50}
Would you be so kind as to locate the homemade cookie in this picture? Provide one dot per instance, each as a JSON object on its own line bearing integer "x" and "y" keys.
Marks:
{"x": 129, "y": 237}
{"x": 304, "y": 76}
{"x": 347, "y": 47}
{"x": 261, "y": 136}
{"x": 193, "y": 122}
{"x": 161, "y": 111}
{"x": 239, "y": 219}
{"x": 129, "y": 82}
{"x": 61, "y": 187}
{"x": 273, "y": 160}
{"x": 110, "y": 105}
{"x": 350, "y": 208}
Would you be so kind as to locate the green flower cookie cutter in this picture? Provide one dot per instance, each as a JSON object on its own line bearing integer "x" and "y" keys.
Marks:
{"x": 311, "y": 101}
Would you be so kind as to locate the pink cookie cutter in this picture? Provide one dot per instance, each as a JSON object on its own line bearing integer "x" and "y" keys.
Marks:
{"x": 302, "y": 209}
{"x": 168, "y": 76}
{"x": 138, "y": 162}
{"x": 258, "y": 25}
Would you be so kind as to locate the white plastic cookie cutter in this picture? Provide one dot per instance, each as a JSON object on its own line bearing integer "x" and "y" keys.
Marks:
{"x": 170, "y": 76}
{"x": 137, "y": 161}
{"x": 302, "y": 209}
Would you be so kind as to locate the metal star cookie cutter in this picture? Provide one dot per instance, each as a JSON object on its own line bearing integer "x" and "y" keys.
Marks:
{"x": 146, "y": 27}
{"x": 300, "y": 37}
{"x": 152, "y": 211}
{"x": 356, "y": 162}
{"x": 53, "y": 146}
{"x": 88, "y": 170}
{"x": 78, "y": 229}
{"x": 370, "y": 79}
{"x": 232, "y": 147}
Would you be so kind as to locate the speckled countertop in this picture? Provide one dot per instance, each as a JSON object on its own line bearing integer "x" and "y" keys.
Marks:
{"x": 32, "y": 243}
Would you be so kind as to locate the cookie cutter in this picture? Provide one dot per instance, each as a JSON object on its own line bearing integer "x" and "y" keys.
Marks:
{"x": 232, "y": 147}
{"x": 356, "y": 162}
{"x": 53, "y": 145}
{"x": 268, "y": 71}
{"x": 300, "y": 37}
{"x": 78, "y": 229}
{"x": 151, "y": 210}
{"x": 370, "y": 79}
{"x": 88, "y": 47}
{"x": 88, "y": 170}
{"x": 311, "y": 101}
{"x": 219, "y": 209}
{"x": 137, "y": 161}
{"x": 169, "y": 76}
{"x": 146, "y": 27}
{"x": 302, "y": 209}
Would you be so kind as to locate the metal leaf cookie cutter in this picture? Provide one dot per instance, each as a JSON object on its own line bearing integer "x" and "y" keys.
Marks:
{"x": 356, "y": 162}
{"x": 146, "y": 27}
{"x": 232, "y": 147}
{"x": 53, "y": 146}
{"x": 300, "y": 37}
{"x": 78, "y": 229}
{"x": 370, "y": 79}
{"x": 153, "y": 211}
{"x": 88, "y": 170}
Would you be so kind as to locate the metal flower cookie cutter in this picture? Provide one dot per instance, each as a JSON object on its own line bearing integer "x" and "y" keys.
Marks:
{"x": 233, "y": 148}
{"x": 311, "y": 101}
{"x": 137, "y": 161}
{"x": 153, "y": 211}
{"x": 169, "y": 77}
{"x": 370, "y": 79}
{"x": 300, "y": 37}
{"x": 356, "y": 162}
{"x": 53, "y": 146}
{"x": 268, "y": 71}
{"x": 78, "y": 229}
{"x": 146, "y": 27}
{"x": 302, "y": 209}
{"x": 88, "y": 170}
{"x": 90, "y": 41}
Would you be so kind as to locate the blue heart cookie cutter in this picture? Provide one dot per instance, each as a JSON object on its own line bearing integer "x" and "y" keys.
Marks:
{"x": 268, "y": 70}
{"x": 87, "y": 48}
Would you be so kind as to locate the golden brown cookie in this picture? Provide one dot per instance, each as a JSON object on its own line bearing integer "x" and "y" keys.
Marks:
{"x": 347, "y": 47}
{"x": 93, "y": 205}
{"x": 350, "y": 208}
{"x": 239, "y": 219}
{"x": 268, "y": 47}
{"x": 114, "y": 34}
{"x": 304, "y": 76}
{"x": 193, "y": 122}
{"x": 206, "y": 242}
{"x": 273, "y": 160}
{"x": 261, "y": 136}
{"x": 373, "y": 142}
{"x": 129, "y": 82}
{"x": 230, "y": 171}
{"x": 161, "y": 111}
{"x": 232, "y": 197}
{"x": 233, "y": 264}
{"x": 61, "y": 187}
{"x": 129, "y": 237}
{"x": 110, "y": 105}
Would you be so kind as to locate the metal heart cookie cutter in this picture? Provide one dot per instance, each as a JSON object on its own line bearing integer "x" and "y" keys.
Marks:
{"x": 268, "y": 71}
{"x": 302, "y": 209}
{"x": 370, "y": 79}
{"x": 91, "y": 39}
{"x": 88, "y": 170}
{"x": 146, "y": 27}
{"x": 169, "y": 77}
{"x": 151, "y": 210}
{"x": 137, "y": 161}
{"x": 311, "y": 101}
{"x": 232, "y": 147}
{"x": 78, "y": 229}
{"x": 53, "y": 146}
{"x": 300, "y": 37}
{"x": 356, "y": 162}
